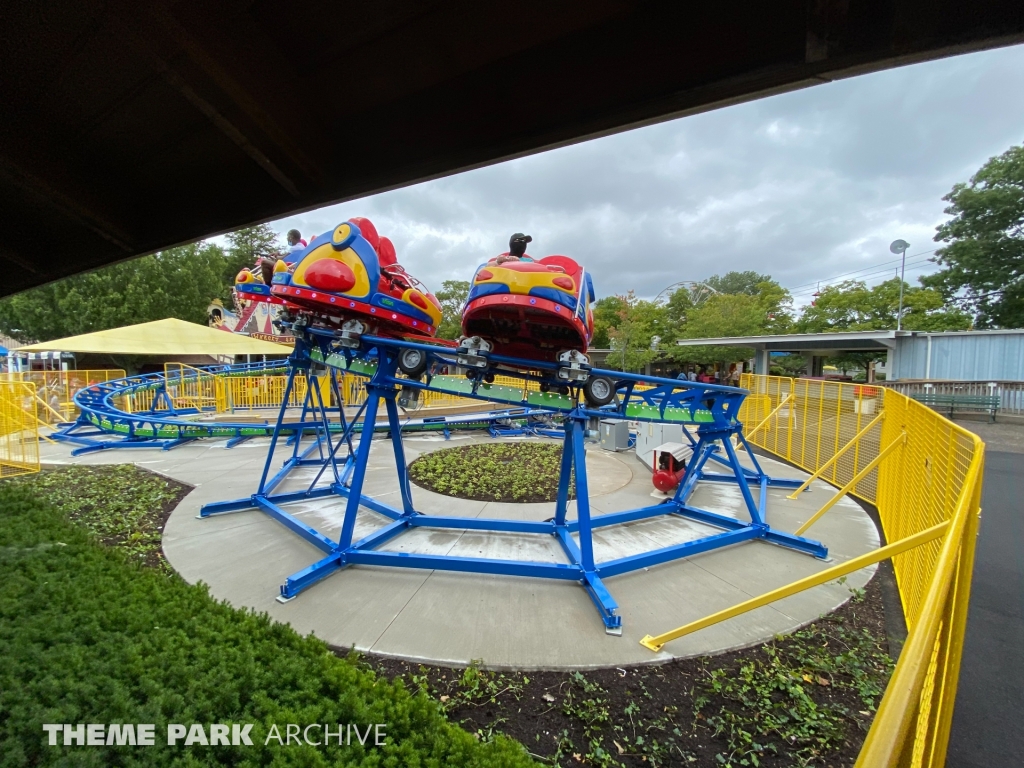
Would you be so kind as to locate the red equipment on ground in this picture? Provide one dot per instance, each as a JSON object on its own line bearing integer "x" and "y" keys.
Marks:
{"x": 670, "y": 465}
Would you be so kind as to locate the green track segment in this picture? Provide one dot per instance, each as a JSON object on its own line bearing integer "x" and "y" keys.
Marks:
{"x": 645, "y": 412}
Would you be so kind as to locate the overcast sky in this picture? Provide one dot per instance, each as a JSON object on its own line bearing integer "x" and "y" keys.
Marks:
{"x": 805, "y": 186}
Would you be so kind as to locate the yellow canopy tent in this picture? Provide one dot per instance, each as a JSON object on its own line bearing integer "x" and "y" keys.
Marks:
{"x": 162, "y": 337}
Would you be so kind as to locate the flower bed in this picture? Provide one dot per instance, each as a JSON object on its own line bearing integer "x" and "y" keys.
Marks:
{"x": 507, "y": 471}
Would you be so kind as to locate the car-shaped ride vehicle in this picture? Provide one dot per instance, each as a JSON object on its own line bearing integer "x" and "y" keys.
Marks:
{"x": 535, "y": 311}
{"x": 349, "y": 280}
{"x": 250, "y": 285}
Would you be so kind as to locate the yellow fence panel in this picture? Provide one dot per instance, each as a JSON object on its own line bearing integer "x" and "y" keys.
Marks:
{"x": 55, "y": 390}
{"x": 816, "y": 423}
{"x": 932, "y": 477}
{"x": 257, "y": 392}
{"x": 19, "y": 429}
{"x": 189, "y": 387}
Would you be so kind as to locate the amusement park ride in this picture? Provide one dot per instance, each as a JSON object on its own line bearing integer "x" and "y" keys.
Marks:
{"x": 351, "y": 308}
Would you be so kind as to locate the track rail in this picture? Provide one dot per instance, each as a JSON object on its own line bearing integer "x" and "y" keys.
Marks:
{"x": 104, "y": 423}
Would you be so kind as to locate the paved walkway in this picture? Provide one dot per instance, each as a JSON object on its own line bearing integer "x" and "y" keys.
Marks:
{"x": 990, "y": 699}
{"x": 454, "y": 618}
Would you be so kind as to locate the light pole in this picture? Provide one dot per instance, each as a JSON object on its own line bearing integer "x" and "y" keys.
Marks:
{"x": 900, "y": 247}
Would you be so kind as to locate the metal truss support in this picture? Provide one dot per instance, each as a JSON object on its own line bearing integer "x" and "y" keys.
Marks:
{"x": 573, "y": 532}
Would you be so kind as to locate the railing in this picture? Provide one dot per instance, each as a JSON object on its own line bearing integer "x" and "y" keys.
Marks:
{"x": 19, "y": 429}
{"x": 55, "y": 390}
{"x": 929, "y": 476}
{"x": 1010, "y": 393}
{"x": 189, "y": 387}
{"x": 229, "y": 392}
{"x": 819, "y": 419}
{"x": 210, "y": 390}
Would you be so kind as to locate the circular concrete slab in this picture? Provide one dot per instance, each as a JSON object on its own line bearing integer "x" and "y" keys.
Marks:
{"x": 455, "y": 618}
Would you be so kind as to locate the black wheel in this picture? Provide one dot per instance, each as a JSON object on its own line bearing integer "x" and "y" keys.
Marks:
{"x": 413, "y": 362}
{"x": 598, "y": 391}
{"x": 545, "y": 387}
{"x": 488, "y": 378}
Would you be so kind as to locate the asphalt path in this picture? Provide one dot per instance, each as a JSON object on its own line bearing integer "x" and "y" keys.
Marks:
{"x": 990, "y": 699}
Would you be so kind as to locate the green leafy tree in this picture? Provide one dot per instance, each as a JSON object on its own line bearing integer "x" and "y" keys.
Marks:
{"x": 763, "y": 308}
{"x": 679, "y": 306}
{"x": 606, "y": 316}
{"x": 984, "y": 255}
{"x": 852, "y": 306}
{"x": 452, "y": 296}
{"x": 632, "y": 338}
{"x": 179, "y": 282}
{"x": 738, "y": 282}
{"x": 788, "y": 365}
{"x": 244, "y": 247}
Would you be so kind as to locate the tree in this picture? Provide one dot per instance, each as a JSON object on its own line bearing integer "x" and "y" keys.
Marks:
{"x": 679, "y": 306}
{"x": 453, "y": 295}
{"x": 984, "y": 258}
{"x": 179, "y": 282}
{"x": 852, "y": 306}
{"x": 756, "y": 310}
{"x": 738, "y": 282}
{"x": 606, "y": 316}
{"x": 245, "y": 246}
{"x": 632, "y": 337}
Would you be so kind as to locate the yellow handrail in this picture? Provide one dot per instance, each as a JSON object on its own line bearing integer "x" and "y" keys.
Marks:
{"x": 19, "y": 428}
{"x": 934, "y": 479}
{"x": 822, "y": 577}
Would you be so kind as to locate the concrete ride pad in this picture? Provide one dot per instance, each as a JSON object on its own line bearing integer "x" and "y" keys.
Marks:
{"x": 500, "y": 621}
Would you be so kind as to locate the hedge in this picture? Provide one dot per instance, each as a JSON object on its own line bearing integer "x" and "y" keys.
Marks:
{"x": 88, "y": 637}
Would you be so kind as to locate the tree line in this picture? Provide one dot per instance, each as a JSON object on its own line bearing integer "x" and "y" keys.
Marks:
{"x": 980, "y": 284}
{"x": 178, "y": 282}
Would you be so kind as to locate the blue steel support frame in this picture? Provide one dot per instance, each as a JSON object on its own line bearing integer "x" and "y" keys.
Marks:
{"x": 575, "y": 535}
{"x": 314, "y": 403}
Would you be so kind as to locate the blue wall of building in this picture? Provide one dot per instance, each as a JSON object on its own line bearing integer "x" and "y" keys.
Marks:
{"x": 973, "y": 356}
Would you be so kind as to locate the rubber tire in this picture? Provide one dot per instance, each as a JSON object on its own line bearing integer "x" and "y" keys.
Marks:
{"x": 598, "y": 391}
{"x": 413, "y": 362}
{"x": 545, "y": 387}
{"x": 488, "y": 378}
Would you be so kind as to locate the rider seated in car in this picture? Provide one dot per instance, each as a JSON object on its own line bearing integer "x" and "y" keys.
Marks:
{"x": 516, "y": 249}
{"x": 295, "y": 241}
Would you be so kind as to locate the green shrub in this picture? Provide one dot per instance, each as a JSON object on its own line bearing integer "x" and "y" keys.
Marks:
{"x": 88, "y": 637}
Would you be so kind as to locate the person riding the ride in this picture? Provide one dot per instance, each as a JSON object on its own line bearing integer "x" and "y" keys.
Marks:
{"x": 516, "y": 249}
{"x": 295, "y": 241}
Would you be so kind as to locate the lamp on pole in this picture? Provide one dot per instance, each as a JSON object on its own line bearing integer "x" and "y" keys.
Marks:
{"x": 900, "y": 247}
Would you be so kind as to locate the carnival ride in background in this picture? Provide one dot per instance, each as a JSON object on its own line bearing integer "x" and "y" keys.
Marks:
{"x": 352, "y": 311}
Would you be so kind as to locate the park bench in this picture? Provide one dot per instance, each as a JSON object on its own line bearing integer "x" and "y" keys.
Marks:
{"x": 953, "y": 403}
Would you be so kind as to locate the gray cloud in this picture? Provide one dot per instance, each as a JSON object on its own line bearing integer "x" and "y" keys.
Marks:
{"x": 804, "y": 186}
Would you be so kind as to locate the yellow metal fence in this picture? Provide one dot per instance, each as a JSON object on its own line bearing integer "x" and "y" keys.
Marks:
{"x": 188, "y": 387}
{"x": 930, "y": 474}
{"x": 19, "y": 429}
{"x": 54, "y": 391}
